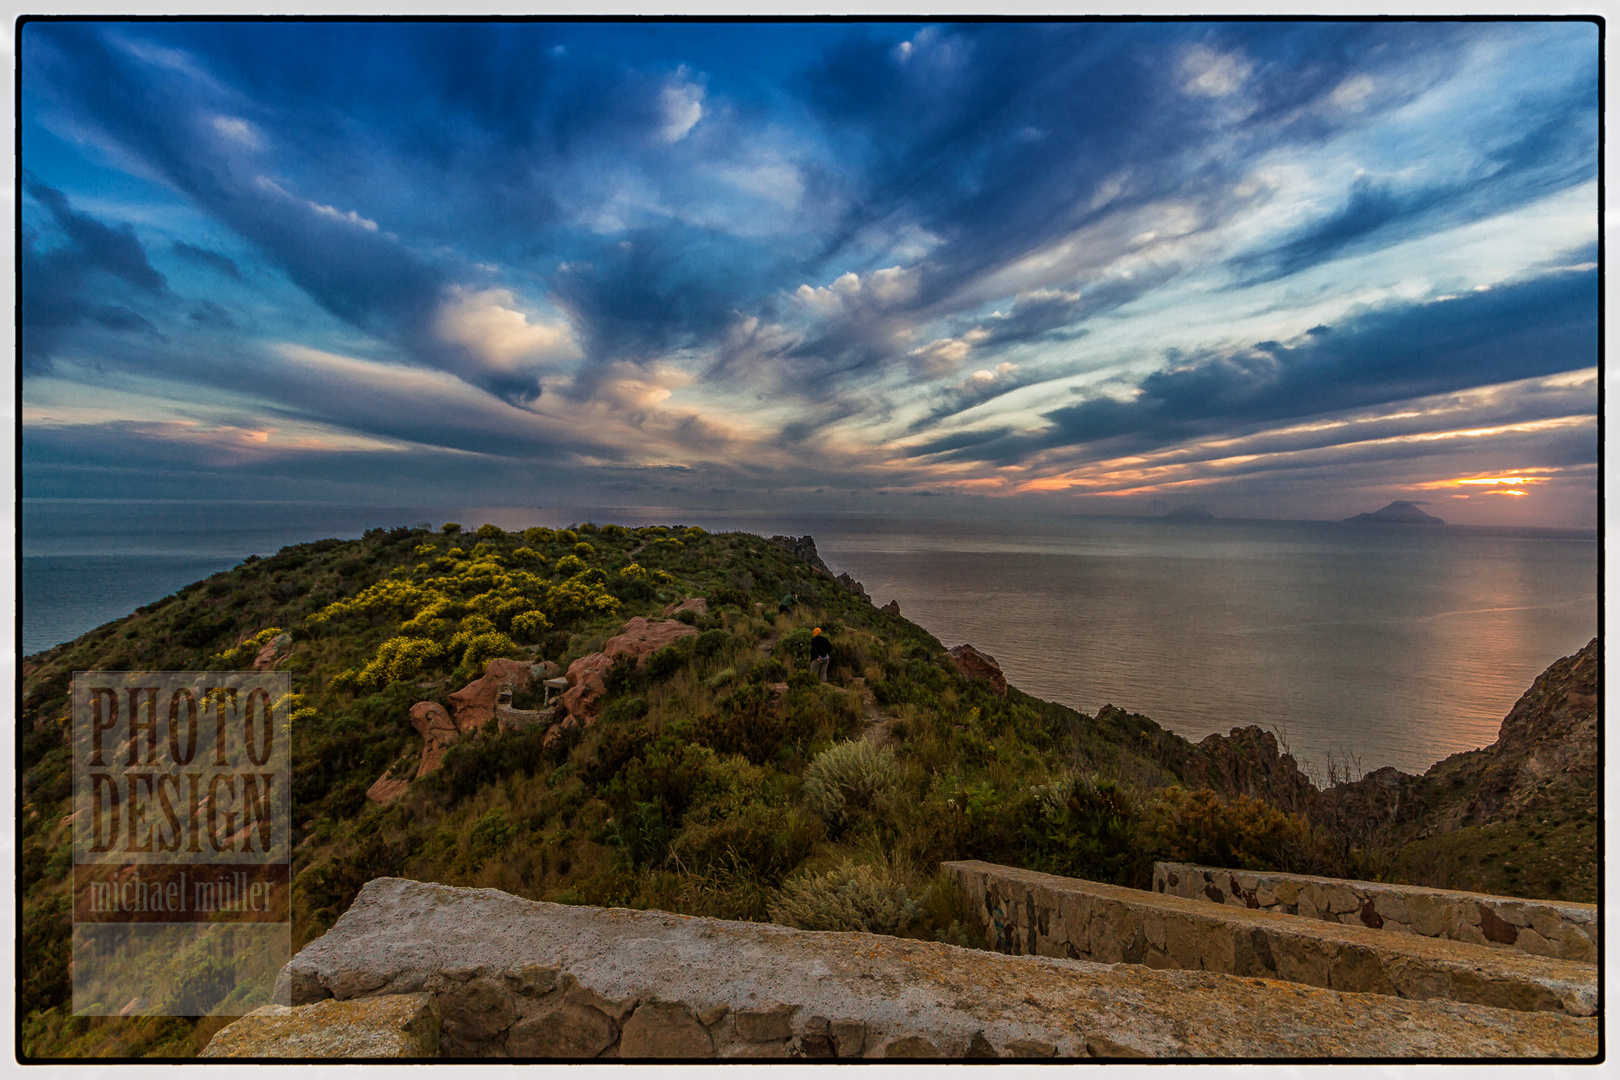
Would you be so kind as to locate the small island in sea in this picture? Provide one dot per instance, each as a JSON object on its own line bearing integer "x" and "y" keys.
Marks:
{"x": 1399, "y": 513}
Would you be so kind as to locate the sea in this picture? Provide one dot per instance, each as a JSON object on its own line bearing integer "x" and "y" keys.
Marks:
{"x": 1362, "y": 644}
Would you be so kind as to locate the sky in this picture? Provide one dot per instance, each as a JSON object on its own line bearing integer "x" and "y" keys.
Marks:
{"x": 1284, "y": 270}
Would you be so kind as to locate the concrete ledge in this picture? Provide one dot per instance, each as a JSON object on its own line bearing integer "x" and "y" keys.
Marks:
{"x": 515, "y": 978}
{"x": 1561, "y": 930}
{"x": 1031, "y": 913}
{"x": 396, "y": 1026}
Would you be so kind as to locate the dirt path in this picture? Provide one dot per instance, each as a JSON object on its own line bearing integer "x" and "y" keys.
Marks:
{"x": 879, "y": 725}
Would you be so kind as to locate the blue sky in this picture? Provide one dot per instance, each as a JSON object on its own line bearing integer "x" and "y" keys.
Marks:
{"x": 1290, "y": 270}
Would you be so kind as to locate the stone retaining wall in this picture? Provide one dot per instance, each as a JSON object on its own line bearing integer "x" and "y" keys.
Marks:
{"x": 1030, "y": 913}
{"x": 1564, "y": 931}
{"x": 519, "y": 979}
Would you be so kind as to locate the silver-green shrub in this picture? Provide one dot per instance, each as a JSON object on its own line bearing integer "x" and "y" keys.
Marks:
{"x": 848, "y": 897}
{"x": 846, "y": 775}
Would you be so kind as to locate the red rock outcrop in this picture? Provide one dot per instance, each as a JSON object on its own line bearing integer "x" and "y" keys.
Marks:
{"x": 697, "y": 605}
{"x": 438, "y": 731}
{"x": 973, "y": 664}
{"x": 639, "y": 639}
{"x": 274, "y": 651}
{"x": 474, "y": 704}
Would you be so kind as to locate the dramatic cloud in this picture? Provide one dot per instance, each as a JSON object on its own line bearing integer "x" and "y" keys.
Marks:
{"x": 1084, "y": 259}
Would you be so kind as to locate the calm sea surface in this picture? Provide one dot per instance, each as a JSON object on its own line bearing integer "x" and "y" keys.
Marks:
{"x": 1393, "y": 645}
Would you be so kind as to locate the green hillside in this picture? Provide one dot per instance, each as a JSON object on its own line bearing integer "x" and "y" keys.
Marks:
{"x": 721, "y": 777}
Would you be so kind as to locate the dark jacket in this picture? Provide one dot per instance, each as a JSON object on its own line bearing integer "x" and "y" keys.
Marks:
{"x": 819, "y": 647}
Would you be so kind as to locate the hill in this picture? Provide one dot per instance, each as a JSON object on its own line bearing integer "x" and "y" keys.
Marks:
{"x": 1398, "y": 513}
{"x": 695, "y": 765}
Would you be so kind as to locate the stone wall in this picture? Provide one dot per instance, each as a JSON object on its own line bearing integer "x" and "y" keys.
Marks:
{"x": 518, "y": 979}
{"x": 1029, "y": 913}
{"x": 1561, "y": 930}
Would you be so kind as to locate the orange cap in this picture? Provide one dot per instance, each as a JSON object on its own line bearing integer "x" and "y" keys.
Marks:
{"x": 816, "y": 631}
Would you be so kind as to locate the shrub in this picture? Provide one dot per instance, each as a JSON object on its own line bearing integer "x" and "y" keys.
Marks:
{"x": 398, "y": 659}
{"x": 528, "y": 554}
{"x": 538, "y": 535}
{"x": 491, "y": 532}
{"x": 574, "y": 599}
{"x": 452, "y": 527}
{"x": 584, "y": 550}
{"x": 848, "y": 897}
{"x": 1241, "y": 833}
{"x": 668, "y": 660}
{"x": 566, "y": 536}
{"x": 569, "y": 565}
{"x": 486, "y": 646}
{"x": 711, "y": 642}
{"x": 1085, "y": 827}
{"x": 634, "y": 571}
{"x": 530, "y": 625}
{"x": 769, "y": 840}
{"x": 846, "y": 776}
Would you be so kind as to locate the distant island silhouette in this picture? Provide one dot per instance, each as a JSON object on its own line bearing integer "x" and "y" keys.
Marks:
{"x": 1399, "y": 513}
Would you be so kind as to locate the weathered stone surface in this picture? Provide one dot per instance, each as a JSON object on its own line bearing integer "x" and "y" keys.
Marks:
{"x": 1252, "y": 942}
{"x": 473, "y": 705}
{"x": 874, "y": 990}
{"x": 639, "y": 639}
{"x": 697, "y": 605}
{"x": 395, "y": 1026}
{"x": 975, "y": 665}
{"x": 892, "y": 607}
{"x": 1563, "y": 930}
{"x": 572, "y": 1031}
{"x": 665, "y": 1029}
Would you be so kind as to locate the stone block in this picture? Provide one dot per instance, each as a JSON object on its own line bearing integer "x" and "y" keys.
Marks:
{"x": 665, "y": 1029}
{"x": 1028, "y": 1048}
{"x": 1512, "y": 912}
{"x": 1428, "y": 915}
{"x": 1217, "y": 951}
{"x": 475, "y": 1011}
{"x": 910, "y": 1046}
{"x": 571, "y": 1031}
{"x": 848, "y": 1037}
{"x": 532, "y": 980}
{"x": 391, "y": 1026}
{"x": 615, "y": 1008}
{"x": 1391, "y": 906}
{"x": 1574, "y": 945}
{"x": 1287, "y": 891}
{"x": 1533, "y": 943}
{"x": 765, "y": 1025}
{"x": 1340, "y": 899}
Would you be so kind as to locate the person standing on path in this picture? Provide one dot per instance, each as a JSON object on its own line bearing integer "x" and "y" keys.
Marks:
{"x": 820, "y": 653}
